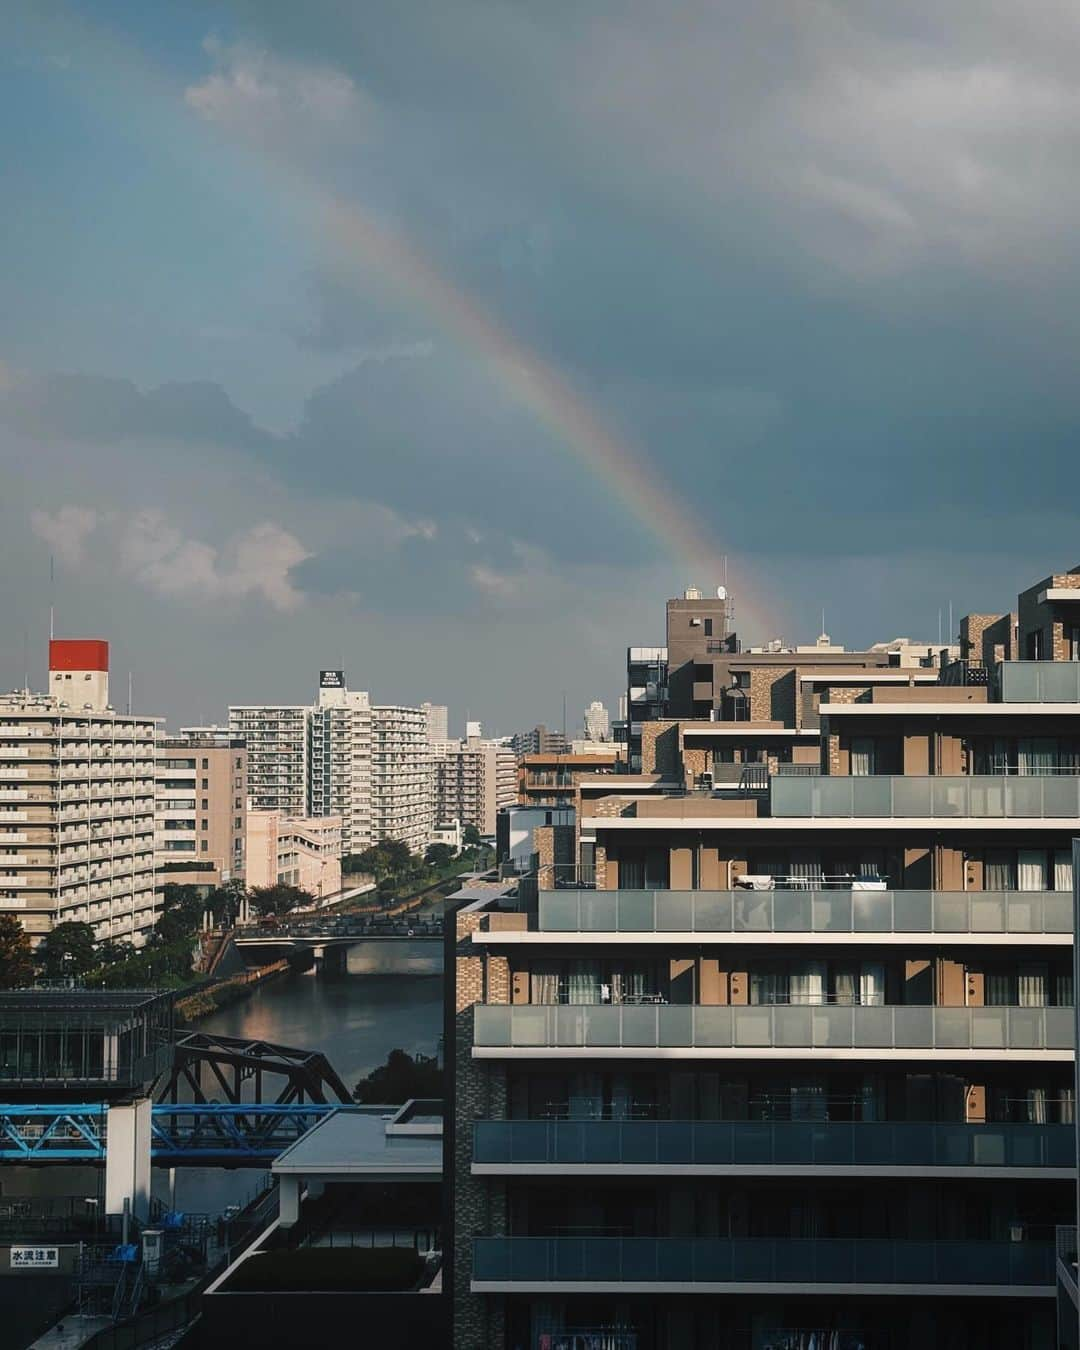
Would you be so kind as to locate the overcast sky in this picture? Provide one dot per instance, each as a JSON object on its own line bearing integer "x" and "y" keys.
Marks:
{"x": 406, "y": 337}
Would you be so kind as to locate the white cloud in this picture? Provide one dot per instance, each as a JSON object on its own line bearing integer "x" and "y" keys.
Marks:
{"x": 493, "y": 583}
{"x": 265, "y": 96}
{"x": 256, "y": 563}
{"x": 66, "y": 531}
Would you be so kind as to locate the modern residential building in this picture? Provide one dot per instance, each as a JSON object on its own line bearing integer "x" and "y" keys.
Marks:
{"x": 302, "y": 851}
{"x": 77, "y": 802}
{"x": 437, "y": 721}
{"x": 539, "y": 741}
{"x": 597, "y": 722}
{"x": 789, "y": 1062}
{"x": 200, "y": 807}
{"x": 402, "y": 790}
{"x": 552, "y": 779}
{"x": 474, "y": 779}
{"x": 276, "y": 738}
{"x": 341, "y": 757}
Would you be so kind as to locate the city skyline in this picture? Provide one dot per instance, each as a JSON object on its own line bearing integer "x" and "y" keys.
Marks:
{"x": 341, "y": 337}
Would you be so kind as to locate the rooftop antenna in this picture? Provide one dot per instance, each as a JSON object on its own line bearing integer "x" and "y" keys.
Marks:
{"x": 564, "y": 716}
{"x": 52, "y": 595}
{"x": 950, "y": 622}
{"x": 129, "y": 694}
{"x": 26, "y": 659}
{"x": 939, "y": 626}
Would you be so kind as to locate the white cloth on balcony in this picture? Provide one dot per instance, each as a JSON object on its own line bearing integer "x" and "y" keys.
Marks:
{"x": 869, "y": 885}
{"x": 756, "y": 882}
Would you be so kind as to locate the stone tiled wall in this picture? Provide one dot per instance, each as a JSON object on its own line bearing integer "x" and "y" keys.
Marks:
{"x": 479, "y": 1094}
{"x": 773, "y": 695}
{"x": 660, "y": 749}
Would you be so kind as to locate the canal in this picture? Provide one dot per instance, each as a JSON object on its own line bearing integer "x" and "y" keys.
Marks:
{"x": 390, "y": 998}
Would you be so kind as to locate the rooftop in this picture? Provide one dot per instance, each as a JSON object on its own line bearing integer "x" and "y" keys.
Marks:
{"x": 359, "y": 1142}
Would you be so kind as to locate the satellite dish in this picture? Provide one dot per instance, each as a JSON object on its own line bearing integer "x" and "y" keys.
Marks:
{"x": 721, "y": 592}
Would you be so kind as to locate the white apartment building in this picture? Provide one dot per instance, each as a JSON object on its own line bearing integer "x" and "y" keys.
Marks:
{"x": 473, "y": 779}
{"x": 597, "y": 722}
{"x": 340, "y": 757}
{"x": 437, "y": 716}
{"x": 402, "y": 796}
{"x": 276, "y": 736}
{"x": 77, "y": 802}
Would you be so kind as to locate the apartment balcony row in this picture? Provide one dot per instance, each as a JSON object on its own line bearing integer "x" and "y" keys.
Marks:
{"x": 777, "y": 1148}
{"x": 734, "y": 913}
{"x": 890, "y": 1031}
{"x": 926, "y": 797}
{"x": 747, "y": 1265}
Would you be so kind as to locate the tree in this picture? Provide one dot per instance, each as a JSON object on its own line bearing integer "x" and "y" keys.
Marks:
{"x": 398, "y": 857}
{"x": 16, "y": 961}
{"x": 471, "y": 837}
{"x": 401, "y": 1077}
{"x": 181, "y": 913}
{"x": 439, "y": 855}
{"x": 224, "y": 901}
{"x": 279, "y": 898}
{"x": 67, "y": 950}
{"x": 114, "y": 953}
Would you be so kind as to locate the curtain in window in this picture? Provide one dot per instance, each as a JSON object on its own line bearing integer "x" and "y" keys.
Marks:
{"x": 872, "y": 983}
{"x": 769, "y": 986}
{"x": 1036, "y": 755}
{"x": 998, "y": 871}
{"x": 631, "y": 983}
{"x": 1066, "y": 1106}
{"x": 1063, "y": 989}
{"x": 544, "y": 986}
{"x": 1031, "y": 986}
{"x": 632, "y": 873}
{"x": 583, "y": 982}
{"x": 808, "y": 1101}
{"x": 1035, "y": 1105}
{"x": 862, "y": 756}
{"x": 998, "y": 989}
{"x": 808, "y": 983}
{"x": 1031, "y": 869}
{"x": 844, "y": 986}
{"x": 806, "y": 875}
{"x": 1063, "y": 870}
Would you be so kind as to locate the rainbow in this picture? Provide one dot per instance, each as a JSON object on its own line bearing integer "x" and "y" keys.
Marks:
{"x": 531, "y": 380}
{"x": 536, "y": 385}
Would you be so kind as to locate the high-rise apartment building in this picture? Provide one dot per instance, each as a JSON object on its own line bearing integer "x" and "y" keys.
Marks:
{"x": 341, "y": 757}
{"x": 77, "y": 802}
{"x": 294, "y": 851}
{"x": 597, "y": 722}
{"x": 402, "y": 790}
{"x": 200, "y": 807}
{"x": 437, "y": 721}
{"x": 276, "y": 737}
{"x": 539, "y": 741}
{"x": 790, "y": 1062}
{"x": 474, "y": 778}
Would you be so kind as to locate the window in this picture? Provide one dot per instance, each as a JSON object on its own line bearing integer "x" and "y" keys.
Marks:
{"x": 206, "y": 804}
{"x": 708, "y": 627}
{"x": 205, "y": 824}
{"x": 238, "y": 823}
{"x": 204, "y": 847}
{"x": 206, "y": 784}
{"x": 206, "y": 763}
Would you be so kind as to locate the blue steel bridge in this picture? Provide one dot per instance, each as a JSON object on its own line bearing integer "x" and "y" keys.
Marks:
{"x": 199, "y": 1134}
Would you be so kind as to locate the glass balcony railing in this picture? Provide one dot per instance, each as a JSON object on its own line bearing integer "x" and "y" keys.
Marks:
{"x": 810, "y": 911}
{"x": 1039, "y": 681}
{"x": 566, "y": 1261}
{"x": 824, "y": 1027}
{"x": 746, "y": 1143}
{"x": 885, "y": 796}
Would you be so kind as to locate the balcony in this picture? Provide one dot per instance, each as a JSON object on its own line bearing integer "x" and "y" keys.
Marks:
{"x": 786, "y": 1265}
{"x": 786, "y": 1147}
{"x": 745, "y": 1032}
{"x": 1039, "y": 681}
{"x": 809, "y": 911}
{"x": 883, "y": 797}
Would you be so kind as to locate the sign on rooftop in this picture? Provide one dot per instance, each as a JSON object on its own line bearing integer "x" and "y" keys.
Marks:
{"x": 331, "y": 679}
